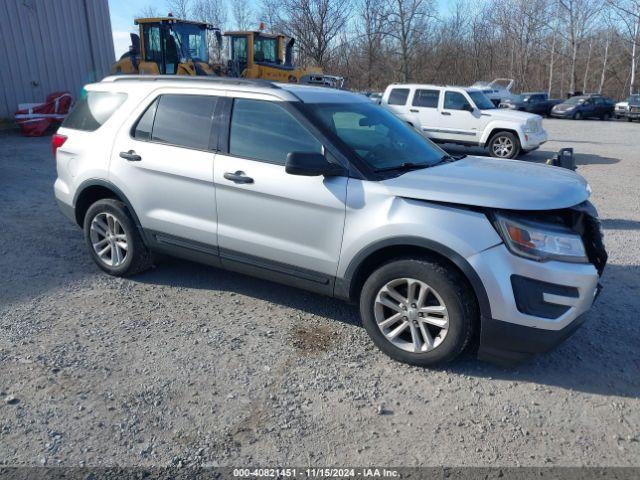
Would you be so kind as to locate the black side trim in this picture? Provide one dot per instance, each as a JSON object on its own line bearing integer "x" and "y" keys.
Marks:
{"x": 509, "y": 344}
{"x": 165, "y": 239}
{"x": 529, "y": 296}
{"x": 272, "y": 266}
{"x": 248, "y": 264}
{"x": 344, "y": 286}
{"x": 182, "y": 247}
{"x": 277, "y": 272}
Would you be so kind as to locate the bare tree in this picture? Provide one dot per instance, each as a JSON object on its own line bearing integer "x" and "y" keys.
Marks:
{"x": 148, "y": 11}
{"x": 408, "y": 21}
{"x": 315, "y": 24}
{"x": 213, "y": 12}
{"x": 629, "y": 13}
{"x": 180, "y": 8}
{"x": 605, "y": 59}
{"x": 242, "y": 14}
{"x": 579, "y": 18}
{"x": 523, "y": 23}
{"x": 372, "y": 18}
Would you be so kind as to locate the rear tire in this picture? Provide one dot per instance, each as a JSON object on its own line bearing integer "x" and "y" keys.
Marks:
{"x": 435, "y": 327}
{"x": 113, "y": 239}
{"x": 577, "y": 116}
{"x": 504, "y": 145}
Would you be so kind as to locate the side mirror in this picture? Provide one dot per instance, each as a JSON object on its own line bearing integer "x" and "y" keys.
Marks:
{"x": 311, "y": 164}
{"x": 219, "y": 38}
{"x": 469, "y": 108}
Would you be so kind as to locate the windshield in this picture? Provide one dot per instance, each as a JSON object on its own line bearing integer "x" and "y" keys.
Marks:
{"x": 633, "y": 99}
{"x": 375, "y": 135}
{"x": 190, "y": 41}
{"x": 265, "y": 49}
{"x": 481, "y": 100}
{"x": 575, "y": 100}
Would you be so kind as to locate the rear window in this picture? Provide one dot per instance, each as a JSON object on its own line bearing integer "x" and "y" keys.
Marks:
{"x": 91, "y": 112}
{"x": 398, "y": 96}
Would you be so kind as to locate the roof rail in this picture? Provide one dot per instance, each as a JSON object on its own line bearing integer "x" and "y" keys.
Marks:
{"x": 187, "y": 78}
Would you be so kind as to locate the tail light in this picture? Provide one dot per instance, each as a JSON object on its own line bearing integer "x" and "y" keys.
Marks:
{"x": 56, "y": 142}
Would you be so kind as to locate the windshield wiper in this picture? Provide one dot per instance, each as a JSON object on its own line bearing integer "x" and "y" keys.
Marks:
{"x": 402, "y": 166}
{"x": 449, "y": 158}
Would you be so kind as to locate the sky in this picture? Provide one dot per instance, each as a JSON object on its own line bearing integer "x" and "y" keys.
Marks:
{"x": 123, "y": 12}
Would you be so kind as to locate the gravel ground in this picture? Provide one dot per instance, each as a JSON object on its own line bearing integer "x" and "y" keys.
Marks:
{"x": 189, "y": 365}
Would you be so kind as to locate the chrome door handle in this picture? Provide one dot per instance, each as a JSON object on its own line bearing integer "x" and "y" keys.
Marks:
{"x": 238, "y": 177}
{"x": 130, "y": 156}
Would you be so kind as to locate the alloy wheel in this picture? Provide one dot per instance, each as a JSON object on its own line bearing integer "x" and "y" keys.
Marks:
{"x": 109, "y": 239}
{"x": 502, "y": 147}
{"x": 411, "y": 315}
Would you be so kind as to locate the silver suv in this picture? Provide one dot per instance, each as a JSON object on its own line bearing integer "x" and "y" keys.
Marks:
{"x": 324, "y": 190}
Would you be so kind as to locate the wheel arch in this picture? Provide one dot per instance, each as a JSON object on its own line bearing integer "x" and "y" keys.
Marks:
{"x": 495, "y": 130}
{"x": 90, "y": 191}
{"x": 371, "y": 257}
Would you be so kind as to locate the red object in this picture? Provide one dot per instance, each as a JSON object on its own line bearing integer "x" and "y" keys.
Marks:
{"x": 34, "y": 118}
{"x": 56, "y": 142}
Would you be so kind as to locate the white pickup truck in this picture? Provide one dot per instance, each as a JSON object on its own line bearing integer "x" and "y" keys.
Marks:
{"x": 465, "y": 116}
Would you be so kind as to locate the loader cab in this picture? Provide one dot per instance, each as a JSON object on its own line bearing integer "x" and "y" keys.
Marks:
{"x": 248, "y": 49}
{"x": 168, "y": 45}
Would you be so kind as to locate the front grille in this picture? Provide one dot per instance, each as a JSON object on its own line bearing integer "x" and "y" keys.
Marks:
{"x": 634, "y": 109}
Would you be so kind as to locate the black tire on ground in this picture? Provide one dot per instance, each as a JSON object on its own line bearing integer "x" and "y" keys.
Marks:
{"x": 137, "y": 258}
{"x": 577, "y": 116}
{"x": 452, "y": 288}
{"x": 606, "y": 116}
{"x": 629, "y": 119}
{"x": 505, "y": 135}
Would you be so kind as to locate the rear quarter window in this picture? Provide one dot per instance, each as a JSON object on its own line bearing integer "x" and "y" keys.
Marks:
{"x": 398, "y": 96}
{"x": 92, "y": 111}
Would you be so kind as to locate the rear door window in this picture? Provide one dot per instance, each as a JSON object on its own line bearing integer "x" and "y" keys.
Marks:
{"x": 426, "y": 98}
{"x": 398, "y": 96}
{"x": 183, "y": 120}
{"x": 91, "y": 112}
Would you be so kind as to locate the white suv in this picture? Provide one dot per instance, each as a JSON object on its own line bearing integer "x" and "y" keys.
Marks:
{"x": 465, "y": 116}
{"x": 324, "y": 190}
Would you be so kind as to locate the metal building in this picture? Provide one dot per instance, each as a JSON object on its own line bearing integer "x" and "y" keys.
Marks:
{"x": 51, "y": 45}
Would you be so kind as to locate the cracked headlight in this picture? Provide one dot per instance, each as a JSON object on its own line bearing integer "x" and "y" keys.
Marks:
{"x": 540, "y": 241}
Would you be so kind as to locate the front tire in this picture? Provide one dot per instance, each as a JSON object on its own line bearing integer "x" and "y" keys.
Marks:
{"x": 418, "y": 312}
{"x": 504, "y": 145}
{"x": 577, "y": 116}
{"x": 113, "y": 239}
{"x": 606, "y": 117}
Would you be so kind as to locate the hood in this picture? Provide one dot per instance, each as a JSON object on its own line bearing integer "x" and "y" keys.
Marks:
{"x": 488, "y": 182}
{"x": 622, "y": 104}
{"x": 509, "y": 114}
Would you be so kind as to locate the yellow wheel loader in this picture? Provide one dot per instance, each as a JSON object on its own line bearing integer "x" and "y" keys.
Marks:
{"x": 168, "y": 46}
{"x": 255, "y": 54}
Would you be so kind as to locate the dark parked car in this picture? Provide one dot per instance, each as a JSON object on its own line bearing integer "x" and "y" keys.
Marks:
{"x": 532, "y": 102}
{"x": 585, "y": 106}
